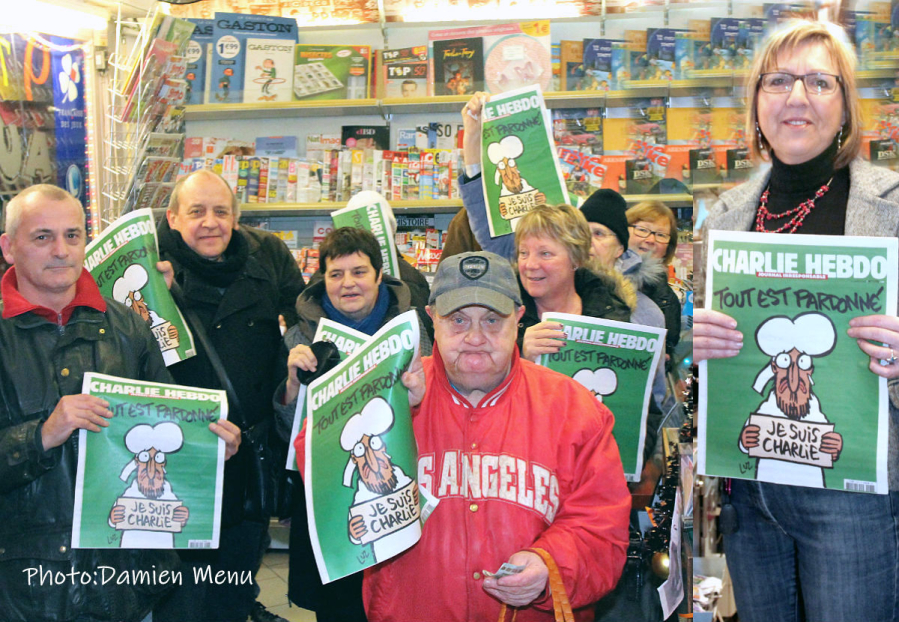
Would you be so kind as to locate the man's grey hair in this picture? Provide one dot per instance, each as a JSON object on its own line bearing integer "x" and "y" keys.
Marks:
{"x": 16, "y": 206}
{"x": 176, "y": 191}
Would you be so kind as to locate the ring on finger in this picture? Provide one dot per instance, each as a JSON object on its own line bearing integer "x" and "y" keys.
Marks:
{"x": 892, "y": 360}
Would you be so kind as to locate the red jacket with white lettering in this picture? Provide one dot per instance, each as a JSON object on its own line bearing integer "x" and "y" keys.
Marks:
{"x": 534, "y": 466}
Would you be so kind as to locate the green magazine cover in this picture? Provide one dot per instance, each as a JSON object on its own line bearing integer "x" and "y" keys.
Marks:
{"x": 798, "y": 405}
{"x": 518, "y": 158}
{"x": 368, "y": 211}
{"x": 361, "y": 466}
{"x": 617, "y": 362}
{"x": 122, "y": 261}
{"x": 153, "y": 477}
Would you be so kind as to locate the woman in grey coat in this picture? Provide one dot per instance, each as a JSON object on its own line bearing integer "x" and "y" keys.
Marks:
{"x": 798, "y": 553}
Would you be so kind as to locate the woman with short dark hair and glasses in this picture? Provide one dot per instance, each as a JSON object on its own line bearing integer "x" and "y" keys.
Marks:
{"x": 807, "y": 553}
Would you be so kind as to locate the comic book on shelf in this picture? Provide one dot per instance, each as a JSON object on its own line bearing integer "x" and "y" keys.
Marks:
{"x": 153, "y": 195}
{"x": 404, "y": 72}
{"x": 691, "y": 159}
{"x": 517, "y": 55}
{"x": 647, "y": 140}
{"x": 232, "y": 33}
{"x": 732, "y": 157}
{"x": 596, "y": 66}
{"x": 458, "y": 66}
{"x": 571, "y": 65}
{"x": 198, "y": 55}
{"x": 365, "y": 136}
{"x": 323, "y": 72}
{"x": 162, "y": 29}
{"x": 636, "y": 59}
{"x": 268, "y": 73}
{"x": 616, "y": 148}
{"x": 577, "y": 133}
{"x": 145, "y": 82}
{"x": 660, "y": 52}
{"x": 555, "y": 54}
{"x": 501, "y": 57}
{"x": 734, "y": 40}
{"x": 881, "y": 131}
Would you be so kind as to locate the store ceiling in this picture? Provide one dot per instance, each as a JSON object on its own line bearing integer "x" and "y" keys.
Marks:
{"x": 130, "y": 8}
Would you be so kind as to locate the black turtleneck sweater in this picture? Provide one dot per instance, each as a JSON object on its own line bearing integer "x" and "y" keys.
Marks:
{"x": 791, "y": 184}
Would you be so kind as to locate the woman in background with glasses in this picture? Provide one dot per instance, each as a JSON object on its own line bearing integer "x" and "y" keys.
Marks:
{"x": 798, "y": 553}
{"x": 653, "y": 233}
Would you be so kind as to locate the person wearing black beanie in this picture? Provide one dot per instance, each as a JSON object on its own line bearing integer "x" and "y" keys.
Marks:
{"x": 606, "y": 207}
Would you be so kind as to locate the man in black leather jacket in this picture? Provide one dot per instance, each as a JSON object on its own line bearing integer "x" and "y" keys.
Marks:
{"x": 55, "y": 326}
{"x": 234, "y": 281}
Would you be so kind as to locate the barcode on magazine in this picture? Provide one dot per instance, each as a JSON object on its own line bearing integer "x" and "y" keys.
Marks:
{"x": 199, "y": 544}
{"x": 854, "y": 485}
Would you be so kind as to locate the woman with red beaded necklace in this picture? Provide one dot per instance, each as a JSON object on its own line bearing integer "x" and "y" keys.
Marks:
{"x": 799, "y": 553}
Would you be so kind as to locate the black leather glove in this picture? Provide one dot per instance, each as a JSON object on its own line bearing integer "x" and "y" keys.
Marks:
{"x": 327, "y": 355}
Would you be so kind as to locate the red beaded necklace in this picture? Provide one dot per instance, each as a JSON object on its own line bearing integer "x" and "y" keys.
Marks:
{"x": 798, "y": 213}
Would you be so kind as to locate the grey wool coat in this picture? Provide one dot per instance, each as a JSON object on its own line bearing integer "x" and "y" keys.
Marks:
{"x": 872, "y": 210}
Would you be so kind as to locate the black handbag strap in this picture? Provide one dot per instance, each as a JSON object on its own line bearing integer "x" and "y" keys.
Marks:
{"x": 211, "y": 352}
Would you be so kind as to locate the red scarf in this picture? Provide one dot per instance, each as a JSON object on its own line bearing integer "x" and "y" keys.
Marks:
{"x": 87, "y": 294}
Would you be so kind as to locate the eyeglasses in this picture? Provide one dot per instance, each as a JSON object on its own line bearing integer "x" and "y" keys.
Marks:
{"x": 779, "y": 82}
{"x": 643, "y": 232}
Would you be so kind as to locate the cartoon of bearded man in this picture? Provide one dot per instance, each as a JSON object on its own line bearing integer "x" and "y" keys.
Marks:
{"x": 378, "y": 476}
{"x": 792, "y": 346}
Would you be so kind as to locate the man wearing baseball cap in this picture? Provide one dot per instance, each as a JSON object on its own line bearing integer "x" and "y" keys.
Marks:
{"x": 521, "y": 458}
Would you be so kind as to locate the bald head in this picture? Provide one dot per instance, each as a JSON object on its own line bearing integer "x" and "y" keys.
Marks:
{"x": 192, "y": 180}
{"x": 34, "y": 195}
{"x": 204, "y": 211}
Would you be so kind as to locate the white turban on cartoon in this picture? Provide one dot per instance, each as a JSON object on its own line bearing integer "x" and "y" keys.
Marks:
{"x": 602, "y": 381}
{"x": 165, "y": 437}
{"x": 810, "y": 333}
{"x": 133, "y": 279}
{"x": 376, "y": 418}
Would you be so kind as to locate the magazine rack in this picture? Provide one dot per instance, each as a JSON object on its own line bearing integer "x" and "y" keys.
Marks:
{"x": 145, "y": 135}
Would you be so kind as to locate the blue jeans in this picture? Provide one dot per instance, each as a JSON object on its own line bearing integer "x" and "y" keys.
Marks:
{"x": 806, "y": 554}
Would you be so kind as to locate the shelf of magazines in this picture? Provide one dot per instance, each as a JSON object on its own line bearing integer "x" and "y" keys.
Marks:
{"x": 720, "y": 84}
{"x": 422, "y": 206}
{"x": 385, "y": 107}
{"x": 324, "y": 208}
